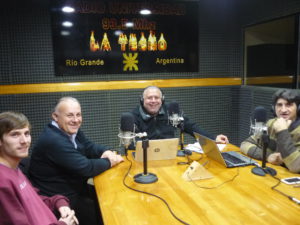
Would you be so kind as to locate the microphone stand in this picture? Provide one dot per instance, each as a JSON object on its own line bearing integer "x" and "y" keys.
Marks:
{"x": 181, "y": 152}
{"x": 145, "y": 177}
{"x": 263, "y": 170}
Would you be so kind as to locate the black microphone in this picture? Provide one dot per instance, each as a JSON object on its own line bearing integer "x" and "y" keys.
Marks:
{"x": 126, "y": 133}
{"x": 260, "y": 131}
{"x": 260, "y": 118}
{"x": 174, "y": 114}
{"x": 127, "y": 130}
{"x": 260, "y": 114}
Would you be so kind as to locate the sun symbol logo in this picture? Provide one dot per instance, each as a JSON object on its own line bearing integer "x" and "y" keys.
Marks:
{"x": 130, "y": 62}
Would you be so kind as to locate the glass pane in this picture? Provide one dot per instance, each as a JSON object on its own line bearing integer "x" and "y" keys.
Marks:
{"x": 270, "y": 53}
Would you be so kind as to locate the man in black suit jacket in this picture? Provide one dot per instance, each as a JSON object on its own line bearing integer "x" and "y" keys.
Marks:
{"x": 63, "y": 159}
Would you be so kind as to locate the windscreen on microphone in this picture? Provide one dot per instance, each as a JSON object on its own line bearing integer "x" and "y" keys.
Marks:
{"x": 127, "y": 122}
{"x": 260, "y": 114}
{"x": 173, "y": 108}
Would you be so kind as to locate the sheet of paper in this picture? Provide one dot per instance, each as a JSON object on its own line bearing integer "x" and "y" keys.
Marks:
{"x": 194, "y": 147}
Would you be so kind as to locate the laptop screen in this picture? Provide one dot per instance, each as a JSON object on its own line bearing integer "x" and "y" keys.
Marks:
{"x": 228, "y": 159}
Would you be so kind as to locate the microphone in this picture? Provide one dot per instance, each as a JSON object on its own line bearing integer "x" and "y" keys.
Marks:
{"x": 260, "y": 118}
{"x": 174, "y": 115}
{"x": 126, "y": 130}
{"x": 127, "y": 135}
{"x": 175, "y": 118}
{"x": 260, "y": 131}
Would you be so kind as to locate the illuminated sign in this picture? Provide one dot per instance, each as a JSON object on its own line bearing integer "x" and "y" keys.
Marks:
{"x": 108, "y": 37}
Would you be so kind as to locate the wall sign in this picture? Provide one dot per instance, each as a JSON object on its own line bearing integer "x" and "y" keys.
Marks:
{"x": 108, "y": 37}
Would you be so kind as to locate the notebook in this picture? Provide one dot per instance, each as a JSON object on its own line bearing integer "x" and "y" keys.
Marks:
{"x": 228, "y": 159}
{"x": 160, "y": 149}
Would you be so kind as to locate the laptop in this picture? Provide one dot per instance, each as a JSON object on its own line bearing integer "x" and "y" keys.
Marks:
{"x": 160, "y": 149}
{"x": 228, "y": 159}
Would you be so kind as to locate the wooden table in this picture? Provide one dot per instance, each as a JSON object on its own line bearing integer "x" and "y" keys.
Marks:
{"x": 247, "y": 199}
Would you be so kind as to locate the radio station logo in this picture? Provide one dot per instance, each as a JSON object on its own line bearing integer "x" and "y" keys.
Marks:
{"x": 131, "y": 43}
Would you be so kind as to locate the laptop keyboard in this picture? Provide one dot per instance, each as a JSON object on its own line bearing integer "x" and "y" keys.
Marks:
{"x": 231, "y": 159}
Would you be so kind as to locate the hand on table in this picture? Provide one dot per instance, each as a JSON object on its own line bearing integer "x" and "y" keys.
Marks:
{"x": 222, "y": 139}
{"x": 112, "y": 157}
{"x": 68, "y": 215}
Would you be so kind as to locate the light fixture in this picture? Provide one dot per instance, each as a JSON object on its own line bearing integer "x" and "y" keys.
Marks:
{"x": 145, "y": 12}
{"x": 65, "y": 33}
{"x": 68, "y": 9}
{"x": 129, "y": 24}
{"x": 67, "y": 24}
{"x": 118, "y": 32}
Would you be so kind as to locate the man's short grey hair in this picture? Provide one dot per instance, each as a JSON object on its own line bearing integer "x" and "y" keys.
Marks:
{"x": 152, "y": 87}
{"x": 64, "y": 99}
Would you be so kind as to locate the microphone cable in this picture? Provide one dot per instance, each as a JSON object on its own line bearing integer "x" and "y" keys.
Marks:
{"x": 148, "y": 193}
{"x": 297, "y": 201}
{"x": 219, "y": 185}
{"x": 277, "y": 184}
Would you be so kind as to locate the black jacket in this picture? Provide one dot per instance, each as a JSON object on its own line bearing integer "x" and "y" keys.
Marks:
{"x": 57, "y": 167}
{"x": 159, "y": 127}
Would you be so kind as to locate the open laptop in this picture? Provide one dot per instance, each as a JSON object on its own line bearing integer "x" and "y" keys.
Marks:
{"x": 228, "y": 159}
{"x": 160, "y": 149}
